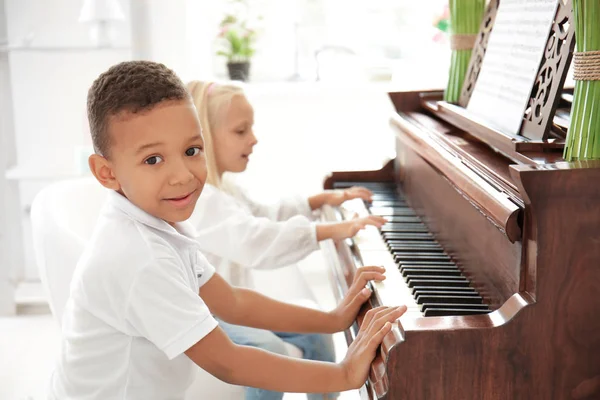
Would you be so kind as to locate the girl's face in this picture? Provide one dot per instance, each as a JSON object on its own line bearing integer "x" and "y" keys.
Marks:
{"x": 233, "y": 136}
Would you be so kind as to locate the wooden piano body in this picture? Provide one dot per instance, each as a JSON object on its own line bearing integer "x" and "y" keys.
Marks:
{"x": 524, "y": 227}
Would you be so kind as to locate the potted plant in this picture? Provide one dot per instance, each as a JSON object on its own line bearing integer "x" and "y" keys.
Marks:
{"x": 237, "y": 40}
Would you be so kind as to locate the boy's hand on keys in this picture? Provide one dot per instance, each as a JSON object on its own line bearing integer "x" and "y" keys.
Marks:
{"x": 376, "y": 324}
{"x": 337, "y": 197}
{"x": 345, "y": 313}
{"x": 350, "y": 228}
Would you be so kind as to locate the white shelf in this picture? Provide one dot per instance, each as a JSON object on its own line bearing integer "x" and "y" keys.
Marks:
{"x": 38, "y": 172}
{"x": 56, "y": 49}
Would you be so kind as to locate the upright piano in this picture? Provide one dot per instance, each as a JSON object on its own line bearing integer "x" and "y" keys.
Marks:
{"x": 493, "y": 243}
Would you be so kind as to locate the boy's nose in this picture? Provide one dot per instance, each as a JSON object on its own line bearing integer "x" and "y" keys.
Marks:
{"x": 180, "y": 174}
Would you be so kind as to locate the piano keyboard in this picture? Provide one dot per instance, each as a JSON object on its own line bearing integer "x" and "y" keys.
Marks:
{"x": 419, "y": 272}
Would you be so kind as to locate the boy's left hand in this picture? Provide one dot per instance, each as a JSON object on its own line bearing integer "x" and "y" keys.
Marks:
{"x": 337, "y": 197}
{"x": 345, "y": 313}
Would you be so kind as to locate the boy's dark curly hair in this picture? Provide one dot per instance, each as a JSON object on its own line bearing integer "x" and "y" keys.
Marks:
{"x": 131, "y": 86}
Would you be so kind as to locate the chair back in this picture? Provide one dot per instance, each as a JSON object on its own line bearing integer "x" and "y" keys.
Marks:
{"x": 63, "y": 216}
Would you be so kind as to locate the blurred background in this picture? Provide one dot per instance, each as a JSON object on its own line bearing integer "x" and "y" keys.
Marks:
{"x": 318, "y": 76}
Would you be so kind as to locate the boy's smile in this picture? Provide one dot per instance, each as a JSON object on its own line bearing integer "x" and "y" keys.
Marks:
{"x": 157, "y": 159}
{"x": 182, "y": 201}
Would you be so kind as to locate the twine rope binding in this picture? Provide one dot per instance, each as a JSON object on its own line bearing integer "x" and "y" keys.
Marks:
{"x": 586, "y": 66}
{"x": 462, "y": 41}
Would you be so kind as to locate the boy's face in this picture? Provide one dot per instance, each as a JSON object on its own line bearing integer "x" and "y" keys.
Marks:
{"x": 234, "y": 137}
{"x": 157, "y": 159}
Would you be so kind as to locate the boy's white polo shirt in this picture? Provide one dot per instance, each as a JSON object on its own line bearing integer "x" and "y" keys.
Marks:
{"x": 133, "y": 310}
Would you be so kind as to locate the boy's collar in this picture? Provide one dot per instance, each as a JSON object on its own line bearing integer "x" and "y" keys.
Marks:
{"x": 127, "y": 207}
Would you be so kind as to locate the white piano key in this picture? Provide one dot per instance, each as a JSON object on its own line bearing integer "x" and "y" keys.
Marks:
{"x": 369, "y": 239}
{"x": 393, "y": 291}
{"x": 355, "y": 206}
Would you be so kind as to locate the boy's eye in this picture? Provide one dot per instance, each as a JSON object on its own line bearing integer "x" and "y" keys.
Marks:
{"x": 153, "y": 160}
{"x": 193, "y": 151}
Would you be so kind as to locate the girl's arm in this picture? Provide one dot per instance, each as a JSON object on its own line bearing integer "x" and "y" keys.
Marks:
{"x": 227, "y": 230}
{"x": 337, "y": 197}
{"x": 280, "y": 209}
{"x": 347, "y": 229}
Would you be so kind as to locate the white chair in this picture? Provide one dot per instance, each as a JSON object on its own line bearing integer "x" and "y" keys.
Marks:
{"x": 63, "y": 217}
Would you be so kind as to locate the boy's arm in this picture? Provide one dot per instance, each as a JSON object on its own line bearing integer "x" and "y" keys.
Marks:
{"x": 235, "y": 364}
{"x": 249, "y": 308}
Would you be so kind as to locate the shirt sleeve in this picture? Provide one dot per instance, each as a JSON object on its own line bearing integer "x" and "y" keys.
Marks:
{"x": 203, "y": 268}
{"x": 163, "y": 308}
{"x": 280, "y": 209}
{"x": 225, "y": 229}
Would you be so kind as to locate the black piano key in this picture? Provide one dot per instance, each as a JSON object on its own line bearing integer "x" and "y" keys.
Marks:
{"x": 425, "y": 263}
{"x": 414, "y": 245}
{"x": 412, "y": 249}
{"x": 407, "y": 219}
{"x": 430, "y": 283}
{"x": 454, "y": 299}
{"x": 387, "y": 186}
{"x": 431, "y": 272}
{"x": 427, "y": 289}
{"x": 405, "y": 224}
{"x": 426, "y": 280}
{"x": 387, "y": 203}
{"x": 426, "y": 306}
{"x": 384, "y": 197}
{"x": 392, "y": 212}
{"x": 443, "y": 312}
{"x": 412, "y": 224}
{"x": 408, "y": 257}
{"x": 408, "y": 236}
{"x": 404, "y": 228}
{"x": 444, "y": 291}
{"x": 405, "y": 238}
{"x": 427, "y": 268}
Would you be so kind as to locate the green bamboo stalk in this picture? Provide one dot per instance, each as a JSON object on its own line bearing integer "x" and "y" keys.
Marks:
{"x": 465, "y": 18}
{"x": 583, "y": 139}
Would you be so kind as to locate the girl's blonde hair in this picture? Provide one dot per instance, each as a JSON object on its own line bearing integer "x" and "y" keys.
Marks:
{"x": 211, "y": 100}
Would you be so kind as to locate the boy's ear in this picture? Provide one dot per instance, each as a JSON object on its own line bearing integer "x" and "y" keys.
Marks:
{"x": 103, "y": 172}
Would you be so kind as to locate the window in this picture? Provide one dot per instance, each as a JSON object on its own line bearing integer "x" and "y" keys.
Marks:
{"x": 378, "y": 40}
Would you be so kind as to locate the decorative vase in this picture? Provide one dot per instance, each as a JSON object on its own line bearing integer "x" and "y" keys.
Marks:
{"x": 465, "y": 18}
{"x": 239, "y": 71}
{"x": 583, "y": 137}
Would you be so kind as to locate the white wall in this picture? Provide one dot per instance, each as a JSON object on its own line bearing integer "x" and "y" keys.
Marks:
{"x": 52, "y": 63}
{"x": 10, "y": 232}
{"x": 305, "y": 131}
{"x": 177, "y": 33}
{"x": 50, "y": 87}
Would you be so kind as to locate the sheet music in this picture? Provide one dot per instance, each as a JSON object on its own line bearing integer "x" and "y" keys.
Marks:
{"x": 511, "y": 62}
